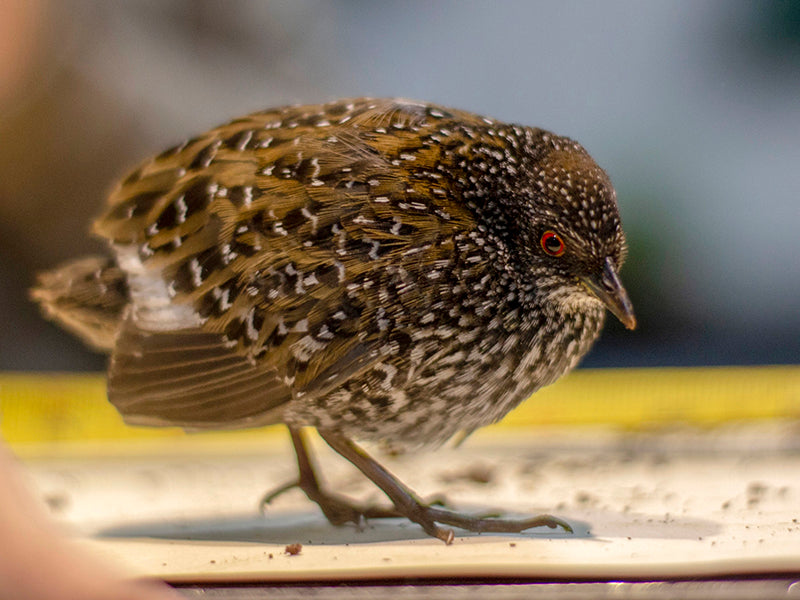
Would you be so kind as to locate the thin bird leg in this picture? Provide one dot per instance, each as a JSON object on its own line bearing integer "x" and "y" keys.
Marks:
{"x": 406, "y": 502}
{"x": 338, "y": 509}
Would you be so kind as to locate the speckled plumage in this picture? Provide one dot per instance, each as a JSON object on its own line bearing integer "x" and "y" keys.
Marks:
{"x": 370, "y": 267}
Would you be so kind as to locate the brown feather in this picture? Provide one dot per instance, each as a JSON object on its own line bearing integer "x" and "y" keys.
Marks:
{"x": 190, "y": 379}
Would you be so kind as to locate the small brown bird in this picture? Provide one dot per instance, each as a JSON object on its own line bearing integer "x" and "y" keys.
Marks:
{"x": 377, "y": 269}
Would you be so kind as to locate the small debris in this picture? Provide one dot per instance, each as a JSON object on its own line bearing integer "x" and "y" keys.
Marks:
{"x": 755, "y": 493}
{"x": 57, "y": 502}
{"x": 512, "y": 544}
{"x": 293, "y": 549}
{"x": 475, "y": 473}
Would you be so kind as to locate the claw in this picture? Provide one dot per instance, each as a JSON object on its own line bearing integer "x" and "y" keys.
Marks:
{"x": 267, "y": 498}
{"x": 448, "y": 537}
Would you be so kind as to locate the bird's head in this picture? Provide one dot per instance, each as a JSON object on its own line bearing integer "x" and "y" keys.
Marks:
{"x": 569, "y": 230}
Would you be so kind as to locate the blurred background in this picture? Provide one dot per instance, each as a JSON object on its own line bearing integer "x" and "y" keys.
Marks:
{"x": 693, "y": 108}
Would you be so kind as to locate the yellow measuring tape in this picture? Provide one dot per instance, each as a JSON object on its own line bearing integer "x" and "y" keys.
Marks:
{"x": 57, "y": 408}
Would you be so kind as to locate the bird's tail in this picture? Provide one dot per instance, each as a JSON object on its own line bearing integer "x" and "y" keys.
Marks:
{"x": 87, "y": 297}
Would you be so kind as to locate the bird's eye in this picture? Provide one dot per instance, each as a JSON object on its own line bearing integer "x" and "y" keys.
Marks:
{"x": 552, "y": 243}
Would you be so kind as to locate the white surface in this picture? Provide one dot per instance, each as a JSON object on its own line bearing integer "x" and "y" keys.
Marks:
{"x": 689, "y": 503}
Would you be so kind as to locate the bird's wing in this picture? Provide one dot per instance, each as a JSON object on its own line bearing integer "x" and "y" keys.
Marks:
{"x": 191, "y": 379}
{"x": 257, "y": 256}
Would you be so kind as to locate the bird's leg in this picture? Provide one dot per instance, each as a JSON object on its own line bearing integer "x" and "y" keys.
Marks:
{"x": 407, "y": 504}
{"x": 404, "y": 500}
{"x": 337, "y": 509}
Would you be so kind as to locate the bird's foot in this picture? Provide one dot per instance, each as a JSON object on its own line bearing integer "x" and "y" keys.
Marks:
{"x": 428, "y": 516}
{"x": 339, "y": 510}
{"x": 425, "y": 515}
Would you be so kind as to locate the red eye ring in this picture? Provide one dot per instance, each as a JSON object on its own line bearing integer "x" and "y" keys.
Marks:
{"x": 552, "y": 243}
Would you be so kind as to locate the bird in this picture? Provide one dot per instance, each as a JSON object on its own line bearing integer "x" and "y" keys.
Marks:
{"x": 378, "y": 269}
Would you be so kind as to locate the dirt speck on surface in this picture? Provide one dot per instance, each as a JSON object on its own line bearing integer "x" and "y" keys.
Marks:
{"x": 756, "y": 491}
{"x": 293, "y": 549}
{"x": 475, "y": 473}
{"x": 57, "y": 501}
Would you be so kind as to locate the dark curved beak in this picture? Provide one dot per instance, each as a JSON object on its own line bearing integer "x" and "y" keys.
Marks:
{"x": 608, "y": 288}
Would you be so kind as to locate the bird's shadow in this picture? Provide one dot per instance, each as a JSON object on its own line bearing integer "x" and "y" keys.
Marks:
{"x": 309, "y": 527}
{"x": 303, "y": 526}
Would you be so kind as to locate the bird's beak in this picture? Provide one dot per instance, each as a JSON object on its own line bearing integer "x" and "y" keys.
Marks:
{"x": 608, "y": 288}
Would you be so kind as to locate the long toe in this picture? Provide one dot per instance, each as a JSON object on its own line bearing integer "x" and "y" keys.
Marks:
{"x": 494, "y": 525}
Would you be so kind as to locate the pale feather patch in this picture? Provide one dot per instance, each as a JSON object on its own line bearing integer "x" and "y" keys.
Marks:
{"x": 152, "y": 305}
